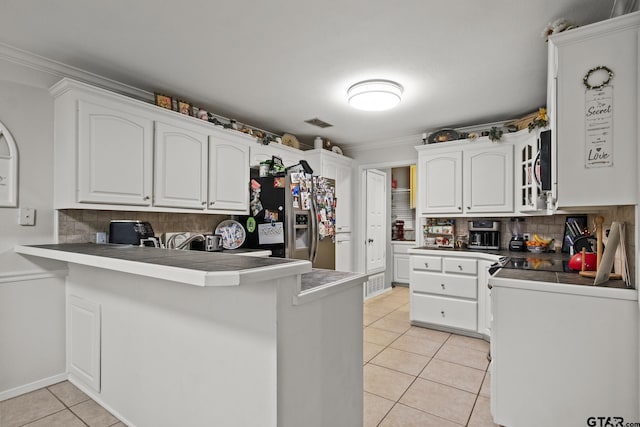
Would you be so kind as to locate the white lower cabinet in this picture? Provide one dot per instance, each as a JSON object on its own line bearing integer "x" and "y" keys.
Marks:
{"x": 444, "y": 292}
{"x": 401, "y": 268}
{"x": 444, "y": 311}
{"x": 563, "y": 355}
{"x": 344, "y": 257}
{"x": 83, "y": 341}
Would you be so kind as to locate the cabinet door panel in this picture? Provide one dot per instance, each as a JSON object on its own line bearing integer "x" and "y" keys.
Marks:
{"x": 488, "y": 180}
{"x": 616, "y": 184}
{"x": 114, "y": 156}
{"x": 180, "y": 167}
{"x": 444, "y": 311}
{"x": 228, "y": 175}
{"x": 83, "y": 342}
{"x": 440, "y": 183}
{"x": 343, "y": 199}
{"x": 343, "y": 252}
{"x": 444, "y": 284}
{"x": 401, "y": 269}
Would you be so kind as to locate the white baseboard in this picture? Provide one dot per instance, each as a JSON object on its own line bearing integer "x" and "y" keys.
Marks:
{"x": 92, "y": 394}
{"x": 45, "y": 382}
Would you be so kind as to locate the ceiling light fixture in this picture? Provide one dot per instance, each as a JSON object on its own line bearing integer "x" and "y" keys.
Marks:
{"x": 374, "y": 95}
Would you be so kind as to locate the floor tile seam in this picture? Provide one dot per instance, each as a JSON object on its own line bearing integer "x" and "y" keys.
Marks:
{"x": 465, "y": 347}
{"x": 371, "y": 362}
{"x": 45, "y": 416}
{"x": 78, "y": 415}
{"x": 449, "y": 385}
{"x": 430, "y": 413}
{"x": 61, "y": 401}
{"x": 460, "y": 364}
{"x": 475, "y": 402}
{"x": 386, "y": 413}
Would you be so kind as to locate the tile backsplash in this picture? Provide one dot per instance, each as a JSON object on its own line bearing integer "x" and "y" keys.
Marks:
{"x": 81, "y": 225}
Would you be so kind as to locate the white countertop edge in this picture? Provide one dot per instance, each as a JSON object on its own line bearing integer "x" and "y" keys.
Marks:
{"x": 274, "y": 272}
{"x": 175, "y": 274}
{"x": 561, "y": 288}
{"x": 455, "y": 254}
{"x": 328, "y": 289}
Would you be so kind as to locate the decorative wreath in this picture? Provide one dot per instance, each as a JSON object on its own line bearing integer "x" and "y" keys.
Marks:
{"x": 585, "y": 80}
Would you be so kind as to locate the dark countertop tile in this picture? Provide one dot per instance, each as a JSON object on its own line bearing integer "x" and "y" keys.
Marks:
{"x": 193, "y": 260}
{"x": 555, "y": 277}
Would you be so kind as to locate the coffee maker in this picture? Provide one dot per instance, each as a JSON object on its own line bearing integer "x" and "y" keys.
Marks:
{"x": 484, "y": 234}
{"x": 517, "y": 243}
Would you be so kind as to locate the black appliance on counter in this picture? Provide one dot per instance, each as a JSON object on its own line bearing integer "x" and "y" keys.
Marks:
{"x": 517, "y": 243}
{"x": 484, "y": 234}
{"x": 132, "y": 232}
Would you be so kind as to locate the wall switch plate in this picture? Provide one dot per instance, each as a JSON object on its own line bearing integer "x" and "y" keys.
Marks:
{"x": 27, "y": 216}
{"x": 526, "y": 236}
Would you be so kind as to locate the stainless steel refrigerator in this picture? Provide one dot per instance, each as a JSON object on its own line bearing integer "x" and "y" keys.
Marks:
{"x": 293, "y": 216}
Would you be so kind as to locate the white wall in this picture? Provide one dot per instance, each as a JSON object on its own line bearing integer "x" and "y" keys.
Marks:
{"x": 31, "y": 298}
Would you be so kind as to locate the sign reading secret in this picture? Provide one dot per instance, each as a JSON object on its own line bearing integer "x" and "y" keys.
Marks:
{"x": 598, "y": 121}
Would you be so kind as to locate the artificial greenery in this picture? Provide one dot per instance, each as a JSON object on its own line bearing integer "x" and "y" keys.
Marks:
{"x": 540, "y": 121}
{"x": 495, "y": 134}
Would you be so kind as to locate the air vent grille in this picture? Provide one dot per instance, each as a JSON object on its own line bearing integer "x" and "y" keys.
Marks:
{"x": 317, "y": 122}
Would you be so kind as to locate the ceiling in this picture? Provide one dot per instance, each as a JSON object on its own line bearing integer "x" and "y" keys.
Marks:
{"x": 276, "y": 64}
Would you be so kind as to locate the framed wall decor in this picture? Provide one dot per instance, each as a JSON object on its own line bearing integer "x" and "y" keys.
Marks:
{"x": 184, "y": 107}
{"x": 8, "y": 169}
{"x": 164, "y": 101}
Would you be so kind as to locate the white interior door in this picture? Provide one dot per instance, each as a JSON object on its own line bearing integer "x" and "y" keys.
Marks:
{"x": 376, "y": 217}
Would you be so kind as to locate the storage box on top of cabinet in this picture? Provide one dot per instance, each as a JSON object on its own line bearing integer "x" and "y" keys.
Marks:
{"x": 594, "y": 113}
{"x": 108, "y": 148}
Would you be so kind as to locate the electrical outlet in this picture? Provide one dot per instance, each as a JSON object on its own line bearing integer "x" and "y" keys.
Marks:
{"x": 27, "y": 216}
{"x": 526, "y": 236}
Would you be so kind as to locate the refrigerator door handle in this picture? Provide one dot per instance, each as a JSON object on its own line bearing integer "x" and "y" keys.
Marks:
{"x": 313, "y": 230}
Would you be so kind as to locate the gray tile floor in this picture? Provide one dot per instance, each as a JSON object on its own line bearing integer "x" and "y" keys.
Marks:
{"x": 412, "y": 377}
{"x": 420, "y": 377}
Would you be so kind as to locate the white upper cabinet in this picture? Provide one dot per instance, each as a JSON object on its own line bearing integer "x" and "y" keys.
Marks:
{"x": 488, "y": 179}
{"x": 180, "y": 167}
{"x": 115, "y": 147}
{"x": 337, "y": 167}
{"x": 228, "y": 174}
{"x": 595, "y": 129}
{"x": 114, "y": 152}
{"x": 440, "y": 182}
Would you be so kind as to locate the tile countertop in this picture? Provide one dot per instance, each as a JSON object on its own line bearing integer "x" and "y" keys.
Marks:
{"x": 527, "y": 275}
{"x": 190, "y": 267}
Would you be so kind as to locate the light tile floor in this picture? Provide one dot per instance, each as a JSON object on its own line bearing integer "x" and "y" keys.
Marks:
{"x": 59, "y": 405}
{"x": 420, "y": 377}
{"x": 412, "y": 377}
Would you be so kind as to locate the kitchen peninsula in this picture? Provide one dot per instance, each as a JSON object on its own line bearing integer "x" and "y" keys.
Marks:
{"x": 167, "y": 338}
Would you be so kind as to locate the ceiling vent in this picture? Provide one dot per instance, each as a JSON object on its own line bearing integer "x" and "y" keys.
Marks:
{"x": 319, "y": 123}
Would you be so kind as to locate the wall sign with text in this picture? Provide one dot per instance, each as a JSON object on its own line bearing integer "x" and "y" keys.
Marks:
{"x": 598, "y": 118}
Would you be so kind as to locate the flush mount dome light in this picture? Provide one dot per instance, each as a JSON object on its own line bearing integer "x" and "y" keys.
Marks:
{"x": 374, "y": 95}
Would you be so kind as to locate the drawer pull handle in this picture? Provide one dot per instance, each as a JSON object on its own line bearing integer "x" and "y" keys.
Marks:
{"x": 426, "y": 264}
{"x": 459, "y": 267}
{"x": 442, "y": 284}
{"x": 442, "y": 312}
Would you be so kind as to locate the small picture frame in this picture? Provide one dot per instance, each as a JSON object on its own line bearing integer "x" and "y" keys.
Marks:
{"x": 164, "y": 101}
{"x": 184, "y": 107}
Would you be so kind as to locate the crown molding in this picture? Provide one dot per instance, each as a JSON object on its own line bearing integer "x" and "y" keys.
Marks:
{"x": 411, "y": 140}
{"x": 55, "y": 68}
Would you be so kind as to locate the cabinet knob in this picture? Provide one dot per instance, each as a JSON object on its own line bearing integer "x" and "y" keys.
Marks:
{"x": 459, "y": 208}
{"x": 212, "y": 203}
{"x": 459, "y": 267}
{"x": 426, "y": 264}
{"x": 204, "y": 203}
{"x": 468, "y": 208}
{"x": 442, "y": 284}
{"x": 442, "y": 312}
{"x": 147, "y": 197}
{"x": 489, "y": 286}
